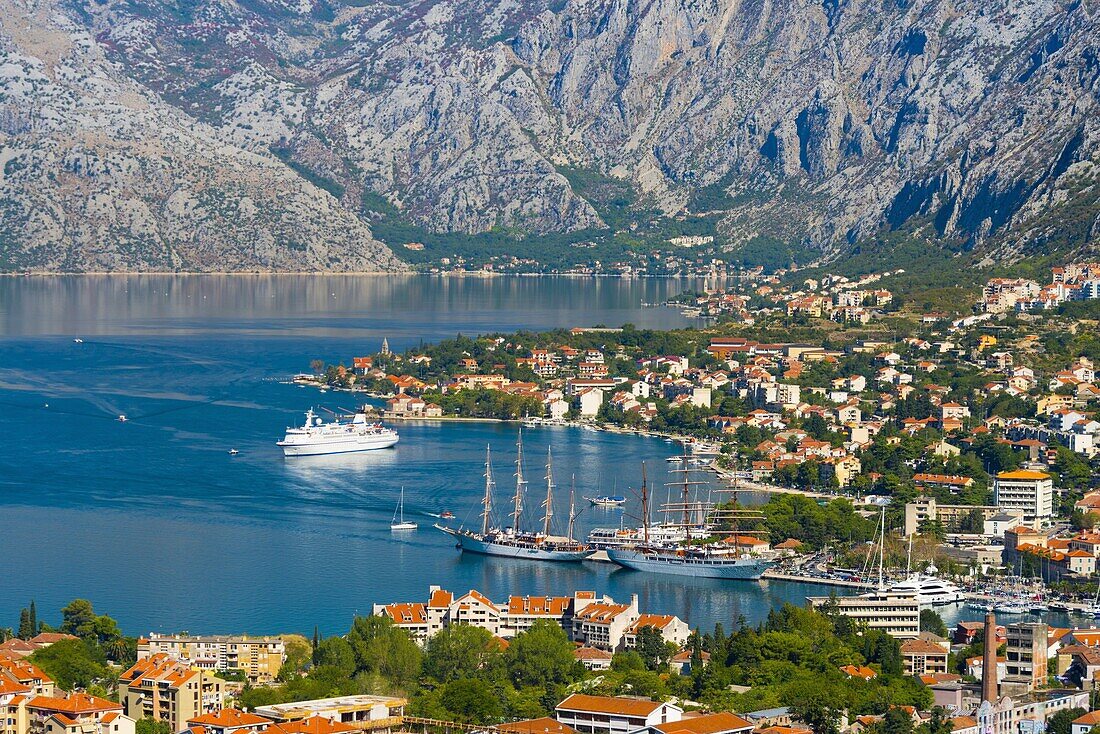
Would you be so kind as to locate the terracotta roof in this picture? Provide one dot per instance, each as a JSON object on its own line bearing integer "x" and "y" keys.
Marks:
{"x": 963, "y": 722}
{"x": 22, "y": 670}
{"x": 48, "y": 638}
{"x": 310, "y": 725}
{"x": 921, "y": 647}
{"x": 601, "y": 612}
{"x": 658, "y": 621}
{"x": 440, "y": 598}
{"x": 74, "y": 703}
{"x": 229, "y": 718}
{"x": 478, "y": 596}
{"x": 544, "y": 725}
{"x": 553, "y": 606}
{"x": 591, "y": 653}
{"x": 609, "y": 705}
{"x": 1023, "y": 474}
{"x": 858, "y": 671}
{"x": 9, "y": 686}
{"x": 1092, "y": 718}
{"x": 407, "y": 613}
{"x": 707, "y": 724}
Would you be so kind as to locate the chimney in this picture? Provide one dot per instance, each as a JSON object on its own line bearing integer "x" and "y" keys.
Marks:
{"x": 989, "y": 660}
{"x": 634, "y": 601}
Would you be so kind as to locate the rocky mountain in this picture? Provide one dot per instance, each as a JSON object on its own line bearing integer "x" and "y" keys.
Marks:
{"x": 101, "y": 174}
{"x": 827, "y": 123}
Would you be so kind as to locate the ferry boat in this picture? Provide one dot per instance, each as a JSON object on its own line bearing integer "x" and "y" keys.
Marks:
{"x": 513, "y": 541}
{"x": 316, "y": 437}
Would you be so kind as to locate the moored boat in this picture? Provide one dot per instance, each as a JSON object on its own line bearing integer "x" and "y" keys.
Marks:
{"x": 514, "y": 542}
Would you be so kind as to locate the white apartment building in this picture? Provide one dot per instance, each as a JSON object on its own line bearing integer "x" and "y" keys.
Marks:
{"x": 898, "y": 615}
{"x": 613, "y": 715}
{"x": 1026, "y": 491}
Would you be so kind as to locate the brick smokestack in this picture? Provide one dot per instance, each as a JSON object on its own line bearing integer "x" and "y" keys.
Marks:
{"x": 989, "y": 660}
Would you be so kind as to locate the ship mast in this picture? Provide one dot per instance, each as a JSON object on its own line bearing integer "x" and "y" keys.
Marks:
{"x": 487, "y": 501}
{"x": 549, "y": 503}
{"x": 572, "y": 507}
{"x": 881, "y": 549}
{"x": 519, "y": 485}
{"x": 645, "y": 508}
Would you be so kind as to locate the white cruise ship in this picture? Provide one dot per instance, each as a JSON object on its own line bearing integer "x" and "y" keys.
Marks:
{"x": 929, "y": 589}
{"x": 317, "y": 437}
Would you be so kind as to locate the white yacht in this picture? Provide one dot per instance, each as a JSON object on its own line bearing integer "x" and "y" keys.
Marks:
{"x": 929, "y": 589}
{"x": 316, "y": 437}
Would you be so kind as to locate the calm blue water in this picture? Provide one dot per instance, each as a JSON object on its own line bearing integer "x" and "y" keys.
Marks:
{"x": 161, "y": 528}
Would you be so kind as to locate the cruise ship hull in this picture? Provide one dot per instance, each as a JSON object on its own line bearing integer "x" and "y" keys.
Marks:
{"x": 341, "y": 445}
{"x": 471, "y": 544}
{"x": 746, "y": 569}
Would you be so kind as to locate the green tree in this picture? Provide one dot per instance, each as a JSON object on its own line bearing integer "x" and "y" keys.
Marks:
{"x": 152, "y": 726}
{"x": 471, "y": 700}
{"x": 34, "y": 619}
{"x": 896, "y": 721}
{"x": 1061, "y": 722}
{"x": 25, "y": 631}
{"x": 77, "y": 615}
{"x": 385, "y": 650}
{"x": 542, "y": 656}
{"x": 627, "y": 660}
{"x": 336, "y": 653}
{"x": 818, "y": 711}
{"x": 651, "y": 646}
{"x": 460, "y": 651}
{"x": 72, "y": 663}
{"x": 299, "y": 651}
{"x": 932, "y": 622}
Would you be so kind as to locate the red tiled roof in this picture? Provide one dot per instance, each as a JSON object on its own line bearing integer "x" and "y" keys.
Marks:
{"x": 544, "y": 725}
{"x": 74, "y": 703}
{"x": 707, "y": 724}
{"x": 609, "y": 705}
{"x": 228, "y": 718}
{"x": 310, "y": 725}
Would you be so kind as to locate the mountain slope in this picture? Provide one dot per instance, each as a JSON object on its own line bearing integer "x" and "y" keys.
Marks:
{"x": 970, "y": 123}
{"x": 100, "y": 174}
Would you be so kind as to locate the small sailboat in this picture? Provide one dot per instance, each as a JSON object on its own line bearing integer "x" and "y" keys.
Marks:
{"x": 399, "y": 522}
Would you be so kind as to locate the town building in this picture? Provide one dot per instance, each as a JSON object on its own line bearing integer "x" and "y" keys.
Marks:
{"x": 614, "y": 715}
{"x": 898, "y": 615}
{"x": 587, "y": 619}
{"x": 1026, "y": 491}
{"x": 922, "y": 656}
{"x": 259, "y": 658}
{"x": 159, "y": 687}
{"x": 76, "y": 713}
{"x": 379, "y": 714}
{"x": 1025, "y": 657}
{"x": 228, "y": 721}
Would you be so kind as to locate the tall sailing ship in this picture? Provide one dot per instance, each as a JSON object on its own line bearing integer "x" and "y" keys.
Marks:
{"x": 514, "y": 541}
{"x": 701, "y": 552}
